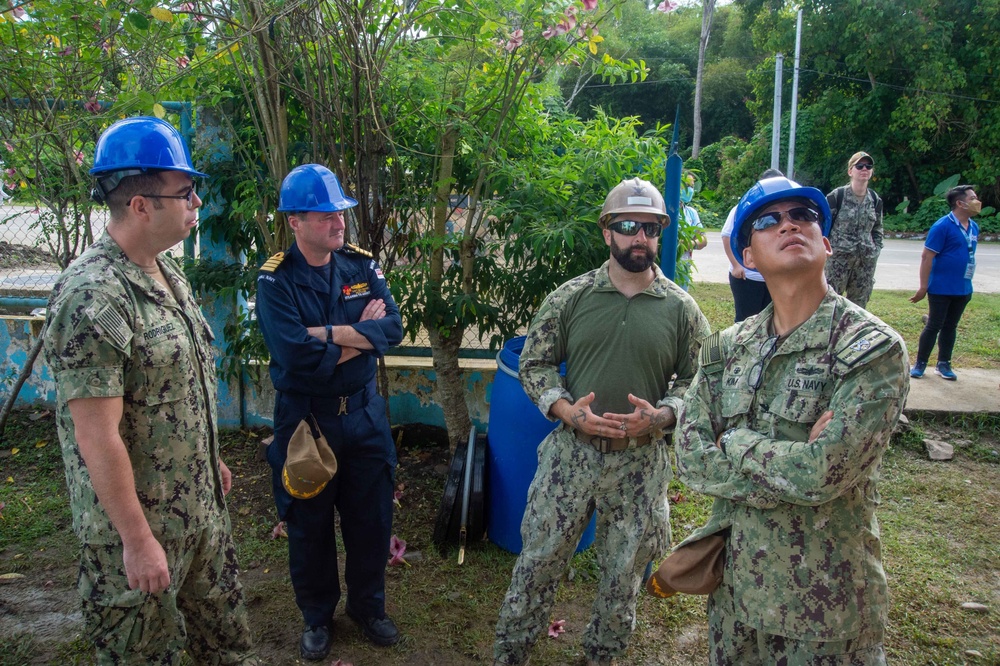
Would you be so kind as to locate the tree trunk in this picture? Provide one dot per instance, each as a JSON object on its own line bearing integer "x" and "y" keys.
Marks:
{"x": 449, "y": 386}
{"x": 708, "y": 10}
{"x": 445, "y": 342}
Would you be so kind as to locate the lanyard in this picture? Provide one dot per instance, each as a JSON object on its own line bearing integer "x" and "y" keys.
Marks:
{"x": 965, "y": 232}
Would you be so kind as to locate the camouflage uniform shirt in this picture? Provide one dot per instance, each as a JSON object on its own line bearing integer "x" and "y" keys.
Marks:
{"x": 113, "y": 331}
{"x": 803, "y": 557}
{"x": 857, "y": 222}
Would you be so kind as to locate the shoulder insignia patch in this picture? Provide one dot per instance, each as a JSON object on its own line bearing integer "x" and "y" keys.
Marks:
{"x": 858, "y": 347}
{"x": 111, "y": 326}
{"x": 711, "y": 350}
{"x": 272, "y": 264}
{"x": 350, "y": 247}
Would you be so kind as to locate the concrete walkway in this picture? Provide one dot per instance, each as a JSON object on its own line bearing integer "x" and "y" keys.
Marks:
{"x": 976, "y": 390}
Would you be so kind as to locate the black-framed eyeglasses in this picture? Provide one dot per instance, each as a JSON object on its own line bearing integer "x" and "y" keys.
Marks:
{"x": 864, "y": 166}
{"x": 188, "y": 195}
{"x": 756, "y": 374}
{"x": 631, "y": 228}
{"x": 799, "y": 214}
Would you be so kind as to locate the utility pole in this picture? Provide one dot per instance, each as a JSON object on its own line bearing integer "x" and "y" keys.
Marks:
{"x": 776, "y": 123}
{"x": 790, "y": 171}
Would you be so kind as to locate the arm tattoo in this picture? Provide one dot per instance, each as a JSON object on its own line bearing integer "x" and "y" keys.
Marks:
{"x": 657, "y": 418}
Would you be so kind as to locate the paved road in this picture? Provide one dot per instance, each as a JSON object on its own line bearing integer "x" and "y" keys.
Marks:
{"x": 897, "y": 265}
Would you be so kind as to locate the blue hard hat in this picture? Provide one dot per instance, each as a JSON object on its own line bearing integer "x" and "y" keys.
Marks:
{"x": 768, "y": 191}
{"x": 312, "y": 187}
{"x": 141, "y": 143}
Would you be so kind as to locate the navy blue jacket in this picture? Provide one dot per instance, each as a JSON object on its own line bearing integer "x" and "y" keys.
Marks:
{"x": 292, "y": 296}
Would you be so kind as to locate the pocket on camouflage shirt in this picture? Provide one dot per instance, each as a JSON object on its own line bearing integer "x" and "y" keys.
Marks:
{"x": 735, "y": 403}
{"x": 166, "y": 377}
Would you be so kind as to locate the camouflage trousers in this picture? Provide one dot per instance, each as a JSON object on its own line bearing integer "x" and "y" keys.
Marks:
{"x": 734, "y": 643}
{"x": 628, "y": 489}
{"x": 202, "y": 611}
{"x": 852, "y": 274}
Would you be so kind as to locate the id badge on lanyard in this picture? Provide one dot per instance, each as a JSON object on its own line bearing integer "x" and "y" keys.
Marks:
{"x": 970, "y": 268}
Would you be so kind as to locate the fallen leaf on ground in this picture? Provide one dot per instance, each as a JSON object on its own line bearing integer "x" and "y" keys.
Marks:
{"x": 678, "y": 498}
{"x": 279, "y": 531}
{"x": 8, "y": 577}
{"x": 557, "y": 627}
{"x": 341, "y": 662}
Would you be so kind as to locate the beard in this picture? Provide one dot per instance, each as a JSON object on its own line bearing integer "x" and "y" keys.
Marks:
{"x": 629, "y": 261}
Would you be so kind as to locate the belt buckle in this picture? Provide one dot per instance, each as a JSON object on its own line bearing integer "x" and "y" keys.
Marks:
{"x": 343, "y": 405}
{"x": 602, "y": 444}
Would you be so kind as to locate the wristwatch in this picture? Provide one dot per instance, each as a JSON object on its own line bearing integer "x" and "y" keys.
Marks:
{"x": 724, "y": 440}
{"x": 329, "y": 333}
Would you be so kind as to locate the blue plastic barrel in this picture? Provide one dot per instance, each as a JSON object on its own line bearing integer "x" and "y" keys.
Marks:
{"x": 516, "y": 429}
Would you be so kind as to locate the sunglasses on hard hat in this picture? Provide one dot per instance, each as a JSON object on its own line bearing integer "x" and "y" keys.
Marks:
{"x": 631, "y": 228}
{"x": 800, "y": 214}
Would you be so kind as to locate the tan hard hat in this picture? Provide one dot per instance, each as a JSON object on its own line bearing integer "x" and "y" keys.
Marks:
{"x": 310, "y": 463}
{"x": 634, "y": 196}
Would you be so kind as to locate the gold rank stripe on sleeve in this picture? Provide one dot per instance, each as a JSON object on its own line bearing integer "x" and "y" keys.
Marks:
{"x": 711, "y": 350}
{"x": 272, "y": 264}
{"x": 351, "y": 247}
{"x": 862, "y": 344}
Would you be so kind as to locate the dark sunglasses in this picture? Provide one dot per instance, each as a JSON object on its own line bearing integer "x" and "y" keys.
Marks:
{"x": 800, "y": 214}
{"x": 864, "y": 166}
{"x": 631, "y": 228}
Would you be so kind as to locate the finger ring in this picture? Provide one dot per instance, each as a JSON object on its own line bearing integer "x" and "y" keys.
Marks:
{"x": 623, "y": 426}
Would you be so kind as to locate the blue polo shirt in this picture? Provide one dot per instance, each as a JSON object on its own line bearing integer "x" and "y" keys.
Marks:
{"x": 954, "y": 248}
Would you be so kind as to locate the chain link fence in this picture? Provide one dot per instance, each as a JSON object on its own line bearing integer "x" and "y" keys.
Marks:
{"x": 33, "y": 250}
{"x": 36, "y": 242}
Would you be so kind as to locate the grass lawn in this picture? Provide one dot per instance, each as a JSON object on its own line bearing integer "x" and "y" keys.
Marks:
{"x": 939, "y": 525}
{"x": 977, "y": 346}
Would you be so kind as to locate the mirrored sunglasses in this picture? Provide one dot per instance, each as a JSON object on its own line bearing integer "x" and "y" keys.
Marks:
{"x": 631, "y": 228}
{"x": 800, "y": 214}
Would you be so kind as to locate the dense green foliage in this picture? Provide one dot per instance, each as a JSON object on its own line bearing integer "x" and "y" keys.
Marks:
{"x": 481, "y": 137}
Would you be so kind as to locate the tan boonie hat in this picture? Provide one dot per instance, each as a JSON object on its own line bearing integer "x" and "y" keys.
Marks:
{"x": 310, "y": 463}
{"x": 634, "y": 196}
{"x": 695, "y": 568}
{"x": 857, "y": 157}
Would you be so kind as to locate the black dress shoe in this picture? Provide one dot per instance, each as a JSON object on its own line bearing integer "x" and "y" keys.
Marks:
{"x": 315, "y": 643}
{"x": 379, "y": 631}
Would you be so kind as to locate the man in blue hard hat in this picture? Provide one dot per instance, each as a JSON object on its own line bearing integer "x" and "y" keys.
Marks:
{"x": 785, "y": 424}
{"x": 327, "y": 317}
{"x": 136, "y": 413}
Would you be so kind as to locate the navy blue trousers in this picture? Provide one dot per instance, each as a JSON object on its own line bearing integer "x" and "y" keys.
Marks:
{"x": 749, "y": 296}
{"x": 361, "y": 493}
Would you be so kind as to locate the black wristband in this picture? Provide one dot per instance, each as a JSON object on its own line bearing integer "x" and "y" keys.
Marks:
{"x": 329, "y": 333}
{"x": 725, "y": 439}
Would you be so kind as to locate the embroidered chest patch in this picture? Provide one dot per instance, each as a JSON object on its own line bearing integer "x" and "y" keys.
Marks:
{"x": 357, "y": 290}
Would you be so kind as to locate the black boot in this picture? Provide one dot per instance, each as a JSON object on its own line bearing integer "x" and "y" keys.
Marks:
{"x": 315, "y": 643}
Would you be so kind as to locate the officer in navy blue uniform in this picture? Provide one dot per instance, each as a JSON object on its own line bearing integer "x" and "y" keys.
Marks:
{"x": 327, "y": 316}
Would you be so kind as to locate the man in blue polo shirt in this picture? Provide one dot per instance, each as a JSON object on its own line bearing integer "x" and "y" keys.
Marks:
{"x": 946, "y": 269}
